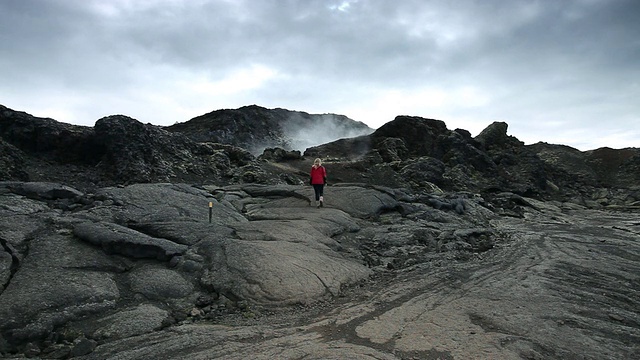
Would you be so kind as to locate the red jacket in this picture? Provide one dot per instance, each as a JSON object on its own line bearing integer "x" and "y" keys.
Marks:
{"x": 318, "y": 175}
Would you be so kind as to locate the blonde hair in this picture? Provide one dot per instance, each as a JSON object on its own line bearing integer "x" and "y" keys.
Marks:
{"x": 317, "y": 161}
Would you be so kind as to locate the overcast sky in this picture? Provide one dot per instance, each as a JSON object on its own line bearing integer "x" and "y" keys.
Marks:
{"x": 559, "y": 71}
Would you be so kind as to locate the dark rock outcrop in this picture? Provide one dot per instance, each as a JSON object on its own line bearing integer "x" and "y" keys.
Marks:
{"x": 495, "y": 136}
{"x": 49, "y": 139}
{"x": 121, "y": 150}
{"x": 138, "y": 153}
{"x": 279, "y": 155}
{"x": 12, "y": 162}
{"x": 615, "y": 167}
{"x": 596, "y": 178}
{"x": 255, "y": 128}
{"x": 423, "y": 154}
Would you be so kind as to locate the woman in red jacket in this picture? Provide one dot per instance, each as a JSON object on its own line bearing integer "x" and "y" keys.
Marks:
{"x": 318, "y": 180}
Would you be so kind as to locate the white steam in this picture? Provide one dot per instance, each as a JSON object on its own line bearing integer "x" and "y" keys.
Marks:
{"x": 304, "y": 133}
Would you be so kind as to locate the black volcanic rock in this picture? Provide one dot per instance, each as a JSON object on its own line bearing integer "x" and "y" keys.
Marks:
{"x": 135, "y": 152}
{"x": 227, "y": 257}
{"x": 615, "y": 167}
{"x": 516, "y": 164}
{"x": 48, "y": 138}
{"x": 427, "y": 169}
{"x": 495, "y": 136}
{"x": 406, "y": 152}
{"x": 495, "y": 162}
{"x": 409, "y": 137}
{"x": 568, "y": 167}
{"x": 348, "y": 149}
{"x": 12, "y": 163}
{"x": 256, "y": 128}
{"x": 279, "y": 154}
{"x": 47, "y": 150}
{"x": 604, "y": 167}
{"x": 118, "y": 150}
{"x": 603, "y": 176}
{"x": 420, "y": 136}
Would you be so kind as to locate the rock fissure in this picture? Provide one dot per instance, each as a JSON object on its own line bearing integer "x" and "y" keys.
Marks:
{"x": 15, "y": 262}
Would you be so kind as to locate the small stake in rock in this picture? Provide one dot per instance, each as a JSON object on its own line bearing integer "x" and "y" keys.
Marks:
{"x": 210, "y": 210}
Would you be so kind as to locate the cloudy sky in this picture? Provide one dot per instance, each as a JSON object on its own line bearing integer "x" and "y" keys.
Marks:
{"x": 559, "y": 71}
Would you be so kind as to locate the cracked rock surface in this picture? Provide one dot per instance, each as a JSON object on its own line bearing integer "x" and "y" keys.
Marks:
{"x": 145, "y": 276}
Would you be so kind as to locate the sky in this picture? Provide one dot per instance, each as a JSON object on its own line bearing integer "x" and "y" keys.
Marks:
{"x": 557, "y": 71}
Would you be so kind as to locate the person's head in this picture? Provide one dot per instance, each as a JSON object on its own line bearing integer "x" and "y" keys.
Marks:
{"x": 317, "y": 162}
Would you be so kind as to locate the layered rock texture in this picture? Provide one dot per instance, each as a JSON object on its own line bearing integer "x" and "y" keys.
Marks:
{"x": 134, "y": 241}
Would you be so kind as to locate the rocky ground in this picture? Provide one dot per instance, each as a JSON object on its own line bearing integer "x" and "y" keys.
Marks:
{"x": 548, "y": 291}
{"x": 272, "y": 277}
{"x": 127, "y": 241}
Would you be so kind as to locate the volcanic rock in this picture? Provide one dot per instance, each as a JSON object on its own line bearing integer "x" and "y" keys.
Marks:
{"x": 255, "y": 128}
{"x": 133, "y": 241}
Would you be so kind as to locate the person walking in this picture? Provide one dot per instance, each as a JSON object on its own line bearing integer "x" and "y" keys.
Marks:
{"x": 318, "y": 181}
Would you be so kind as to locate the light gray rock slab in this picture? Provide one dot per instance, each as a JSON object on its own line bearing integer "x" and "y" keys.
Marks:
{"x": 184, "y": 232}
{"x": 60, "y": 280}
{"x": 305, "y": 232}
{"x": 155, "y": 282}
{"x": 138, "y": 320}
{"x": 44, "y": 190}
{"x": 329, "y": 221}
{"x": 278, "y": 272}
{"x": 19, "y": 217}
{"x": 160, "y": 203}
{"x": 116, "y": 239}
{"x": 223, "y": 342}
{"x": 12, "y": 204}
{"x": 358, "y": 202}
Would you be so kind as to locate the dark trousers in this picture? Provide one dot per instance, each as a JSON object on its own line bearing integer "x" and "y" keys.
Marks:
{"x": 319, "y": 189}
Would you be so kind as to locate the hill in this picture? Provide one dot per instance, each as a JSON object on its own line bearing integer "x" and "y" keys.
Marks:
{"x": 255, "y": 128}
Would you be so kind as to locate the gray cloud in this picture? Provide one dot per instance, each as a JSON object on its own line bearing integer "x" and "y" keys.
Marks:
{"x": 556, "y": 71}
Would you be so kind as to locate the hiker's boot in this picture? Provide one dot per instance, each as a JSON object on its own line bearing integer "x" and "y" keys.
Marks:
{"x": 321, "y": 201}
